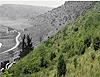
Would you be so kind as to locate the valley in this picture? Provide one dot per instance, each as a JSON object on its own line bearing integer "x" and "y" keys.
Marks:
{"x": 7, "y": 38}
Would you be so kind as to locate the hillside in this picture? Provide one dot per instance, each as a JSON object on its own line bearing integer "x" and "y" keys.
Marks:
{"x": 46, "y": 25}
{"x": 78, "y": 41}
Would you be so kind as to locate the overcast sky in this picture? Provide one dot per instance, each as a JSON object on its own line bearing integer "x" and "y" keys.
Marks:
{"x": 48, "y": 3}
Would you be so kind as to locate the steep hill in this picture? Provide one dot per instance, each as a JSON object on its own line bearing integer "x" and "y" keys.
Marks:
{"x": 79, "y": 42}
{"x": 49, "y": 23}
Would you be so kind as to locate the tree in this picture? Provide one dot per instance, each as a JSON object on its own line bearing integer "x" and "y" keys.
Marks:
{"x": 26, "y": 45}
{"x": 61, "y": 68}
{"x": 23, "y": 43}
{"x": 29, "y": 43}
{"x": 23, "y": 47}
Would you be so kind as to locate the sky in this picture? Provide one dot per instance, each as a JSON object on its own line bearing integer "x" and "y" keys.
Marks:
{"x": 48, "y": 3}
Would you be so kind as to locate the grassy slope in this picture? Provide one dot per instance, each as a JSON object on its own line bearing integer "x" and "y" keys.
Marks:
{"x": 71, "y": 44}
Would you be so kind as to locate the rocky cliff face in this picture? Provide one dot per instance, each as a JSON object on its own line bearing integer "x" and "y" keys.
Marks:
{"x": 47, "y": 24}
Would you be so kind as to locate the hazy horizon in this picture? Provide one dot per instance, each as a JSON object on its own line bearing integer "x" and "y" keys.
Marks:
{"x": 46, "y": 3}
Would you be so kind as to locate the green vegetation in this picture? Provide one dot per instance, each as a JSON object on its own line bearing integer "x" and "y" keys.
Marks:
{"x": 61, "y": 68}
{"x": 78, "y": 42}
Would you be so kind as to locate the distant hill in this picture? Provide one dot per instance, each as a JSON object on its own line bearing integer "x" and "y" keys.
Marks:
{"x": 17, "y": 16}
{"x": 15, "y": 11}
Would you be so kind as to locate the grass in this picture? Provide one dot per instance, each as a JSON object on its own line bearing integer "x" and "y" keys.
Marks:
{"x": 76, "y": 42}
